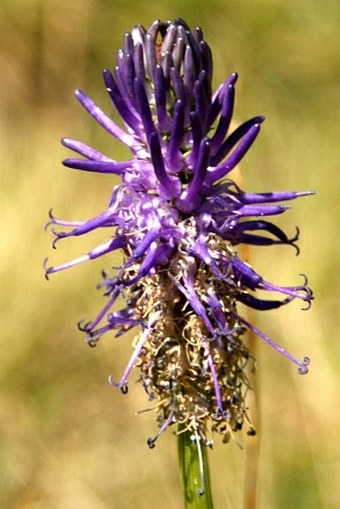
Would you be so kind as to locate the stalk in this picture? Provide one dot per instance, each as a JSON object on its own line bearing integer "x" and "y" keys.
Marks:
{"x": 194, "y": 470}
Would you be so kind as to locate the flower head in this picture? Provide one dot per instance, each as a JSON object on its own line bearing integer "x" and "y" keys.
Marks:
{"x": 178, "y": 218}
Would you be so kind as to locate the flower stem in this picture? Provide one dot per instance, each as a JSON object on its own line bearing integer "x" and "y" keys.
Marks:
{"x": 194, "y": 470}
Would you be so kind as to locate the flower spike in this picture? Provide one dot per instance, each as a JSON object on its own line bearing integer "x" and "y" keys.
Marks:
{"x": 179, "y": 221}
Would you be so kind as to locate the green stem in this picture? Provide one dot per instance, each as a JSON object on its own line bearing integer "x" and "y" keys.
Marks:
{"x": 194, "y": 471}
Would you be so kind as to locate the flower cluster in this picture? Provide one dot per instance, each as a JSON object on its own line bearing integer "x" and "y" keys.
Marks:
{"x": 178, "y": 219}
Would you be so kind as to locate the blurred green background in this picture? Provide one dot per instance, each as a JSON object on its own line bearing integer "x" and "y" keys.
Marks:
{"x": 67, "y": 439}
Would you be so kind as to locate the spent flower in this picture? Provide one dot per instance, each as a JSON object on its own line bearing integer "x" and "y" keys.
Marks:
{"x": 178, "y": 219}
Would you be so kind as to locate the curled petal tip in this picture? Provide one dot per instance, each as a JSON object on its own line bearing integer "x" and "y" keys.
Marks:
{"x": 122, "y": 386}
{"x": 47, "y": 270}
{"x": 305, "y": 279}
{"x": 308, "y": 304}
{"x": 92, "y": 342}
{"x": 51, "y": 221}
{"x": 151, "y": 443}
{"x": 303, "y": 368}
{"x": 84, "y": 327}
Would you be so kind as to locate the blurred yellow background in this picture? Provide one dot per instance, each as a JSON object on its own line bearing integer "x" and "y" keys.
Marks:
{"x": 67, "y": 439}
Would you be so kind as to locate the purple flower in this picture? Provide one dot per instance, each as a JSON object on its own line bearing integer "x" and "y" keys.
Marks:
{"x": 178, "y": 218}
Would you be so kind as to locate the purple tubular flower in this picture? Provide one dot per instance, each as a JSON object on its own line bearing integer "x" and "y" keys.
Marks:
{"x": 178, "y": 220}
